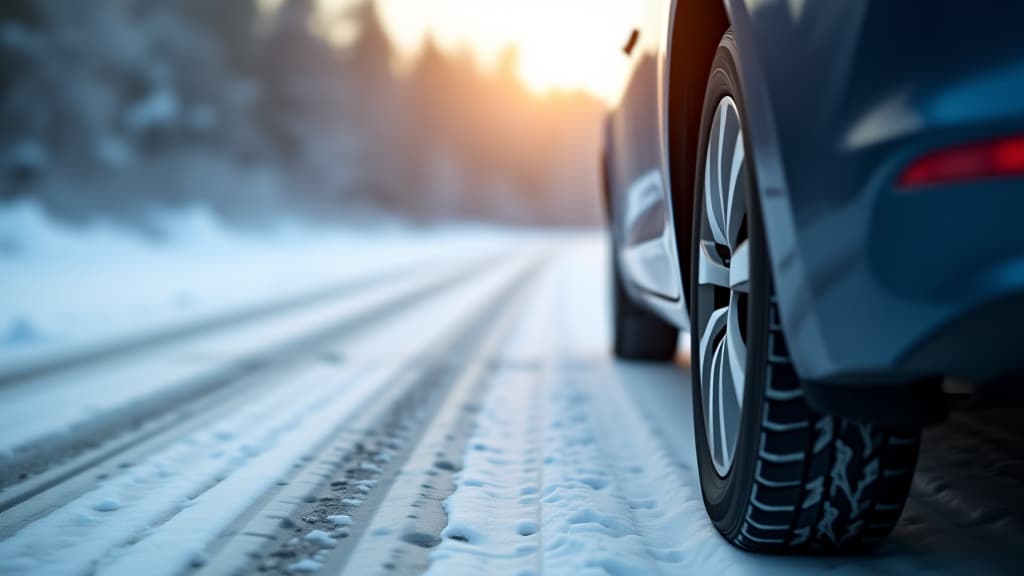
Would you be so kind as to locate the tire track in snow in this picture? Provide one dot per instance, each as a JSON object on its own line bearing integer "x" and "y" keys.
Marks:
{"x": 410, "y": 517}
{"x": 333, "y": 510}
{"x": 493, "y": 516}
{"x": 164, "y": 510}
{"x": 22, "y": 373}
{"x": 46, "y": 451}
{"x": 80, "y": 536}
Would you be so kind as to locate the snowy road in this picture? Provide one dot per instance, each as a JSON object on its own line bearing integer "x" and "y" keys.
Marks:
{"x": 457, "y": 416}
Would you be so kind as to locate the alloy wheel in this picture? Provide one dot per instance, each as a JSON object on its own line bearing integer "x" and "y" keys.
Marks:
{"x": 723, "y": 285}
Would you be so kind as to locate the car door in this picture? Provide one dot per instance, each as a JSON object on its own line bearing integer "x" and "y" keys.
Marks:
{"x": 646, "y": 237}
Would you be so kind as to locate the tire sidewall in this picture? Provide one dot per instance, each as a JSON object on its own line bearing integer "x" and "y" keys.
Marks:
{"x": 726, "y": 497}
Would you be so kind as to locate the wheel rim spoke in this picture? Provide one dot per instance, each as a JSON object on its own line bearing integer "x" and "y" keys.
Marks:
{"x": 712, "y": 272}
{"x": 735, "y": 202}
{"x": 739, "y": 268}
{"x": 724, "y": 283}
{"x": 722, "y": 356}
{"x": 730, "y": 409}
{"x": 713, "y": 186}
{"x": 736, "y": 347}
{"x": 715, "y": 326}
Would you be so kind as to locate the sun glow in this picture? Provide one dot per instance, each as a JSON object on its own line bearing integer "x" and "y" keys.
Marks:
{"x": 562, "y": 44}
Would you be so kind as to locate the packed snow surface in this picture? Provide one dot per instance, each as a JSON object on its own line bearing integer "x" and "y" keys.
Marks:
{"x": 158, "y": 514}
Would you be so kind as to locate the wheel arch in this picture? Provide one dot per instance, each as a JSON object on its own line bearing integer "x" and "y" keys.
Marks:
{"x": 605, "y": 159}
{"x": 696, "y": 28}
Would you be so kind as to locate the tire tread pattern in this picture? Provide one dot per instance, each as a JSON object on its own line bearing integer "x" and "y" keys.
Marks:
{"x": 823, "y": 484}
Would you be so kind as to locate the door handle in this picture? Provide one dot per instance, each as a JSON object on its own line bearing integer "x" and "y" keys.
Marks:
{"x": 634, "y": 36}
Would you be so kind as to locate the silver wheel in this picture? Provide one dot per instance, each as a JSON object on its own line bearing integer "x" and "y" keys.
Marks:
{"x": 723, "y": 285}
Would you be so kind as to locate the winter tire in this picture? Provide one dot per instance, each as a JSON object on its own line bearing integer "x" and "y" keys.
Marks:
{"x": 775, "y": 475}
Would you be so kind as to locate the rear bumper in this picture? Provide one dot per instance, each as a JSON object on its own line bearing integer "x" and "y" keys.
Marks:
{"x": 915, "y": 284}
{"x": 983, "y": 343}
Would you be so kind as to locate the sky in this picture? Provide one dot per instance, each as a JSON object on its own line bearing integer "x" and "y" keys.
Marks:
{"x": 562, "y": 44}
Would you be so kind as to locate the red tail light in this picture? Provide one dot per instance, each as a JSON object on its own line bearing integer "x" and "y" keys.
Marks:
{"x": 993, "y": 159}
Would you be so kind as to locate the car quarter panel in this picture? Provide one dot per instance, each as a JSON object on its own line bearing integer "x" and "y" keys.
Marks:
{"x": 840, "y": 97}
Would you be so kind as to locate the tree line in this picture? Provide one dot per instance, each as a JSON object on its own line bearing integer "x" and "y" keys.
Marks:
{"x": 126, "y": 108}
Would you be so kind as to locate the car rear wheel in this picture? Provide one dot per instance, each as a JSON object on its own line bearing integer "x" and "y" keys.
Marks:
{"x": 775, "y": 475}
{"x": 638, "y": 334}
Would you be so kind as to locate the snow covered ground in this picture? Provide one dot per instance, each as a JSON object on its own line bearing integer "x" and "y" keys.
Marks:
{"x": 463, "y": 417}
{"x": 68, "y": 289}
{"x": 162, "y": 511}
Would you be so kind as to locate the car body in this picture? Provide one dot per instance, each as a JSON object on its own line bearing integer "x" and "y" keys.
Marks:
{"x": 874, "y": 154}
{"x": 875, "y": 283}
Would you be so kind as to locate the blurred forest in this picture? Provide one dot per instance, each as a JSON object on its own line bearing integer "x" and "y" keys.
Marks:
{"x": 124, "y": 108}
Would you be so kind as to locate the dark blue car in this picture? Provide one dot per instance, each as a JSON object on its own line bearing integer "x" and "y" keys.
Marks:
{"x": 828, "y": 195}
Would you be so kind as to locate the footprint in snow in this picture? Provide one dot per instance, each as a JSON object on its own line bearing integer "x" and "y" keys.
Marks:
{"x": 340, "y": 520}
{"x": 107, "y": 505}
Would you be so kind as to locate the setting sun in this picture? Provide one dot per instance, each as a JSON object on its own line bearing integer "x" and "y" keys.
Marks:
{"x": 564, "y": 44}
